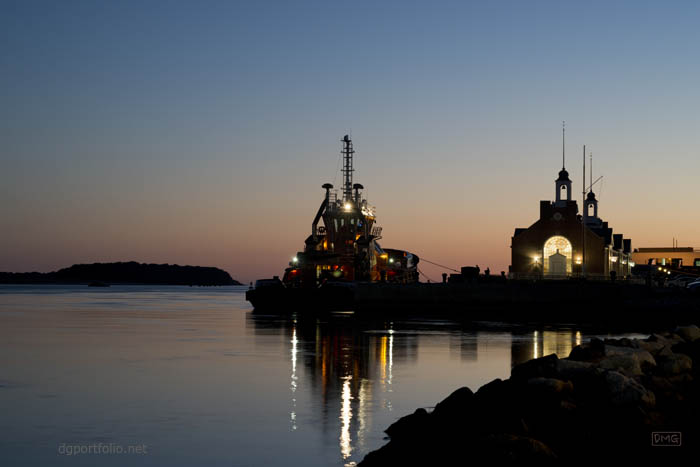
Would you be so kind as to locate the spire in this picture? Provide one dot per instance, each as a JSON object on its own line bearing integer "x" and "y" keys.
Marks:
{"x": 590, "y": 155}
{"x": 563, "y": 145}
{"x": 563, "y": 183}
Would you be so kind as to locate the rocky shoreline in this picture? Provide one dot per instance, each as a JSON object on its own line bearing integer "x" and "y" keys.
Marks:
{"x": 608, "y": 401}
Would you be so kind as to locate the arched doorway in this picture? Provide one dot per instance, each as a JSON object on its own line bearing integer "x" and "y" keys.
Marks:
{"x": 557, "y": 256}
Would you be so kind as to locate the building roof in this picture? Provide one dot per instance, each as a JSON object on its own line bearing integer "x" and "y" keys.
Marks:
{"x": 563, "y": 175}
{"x": 665, "y": 250}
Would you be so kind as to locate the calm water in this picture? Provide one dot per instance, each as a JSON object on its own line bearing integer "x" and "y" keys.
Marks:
{"x": 189, "y": 376}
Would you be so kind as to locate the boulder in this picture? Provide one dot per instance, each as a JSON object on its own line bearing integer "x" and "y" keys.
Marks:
{"x": 573, "y": 369}
{"x": 622, "y": 342}
{"x": 594, "y": 350}
{"x": 643, "y": 356}
{"x": 410, "y": 426}
{"x": 457, "y": 403}
{"x": 691, "y": 349}
{"x": 545, "y": 367}
{"x": 628, "y": 365}
{"x": 688, "y": 333}
{"x": 666, "y": 338}
{"x": 498, "y": 407}
{"x": 665, "y": 351}
{"x": 493, "y": 391}
{"x": 653, "y": 347}
{"x": 550, "y": 385}
{"x": 631, "y": 361}
{"x": 624, "y": 391}
{"x": 675, "y": 363}
{"x": 507, "y": 448}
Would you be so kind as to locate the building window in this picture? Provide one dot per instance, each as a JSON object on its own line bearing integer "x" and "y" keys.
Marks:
{"x": 697, "y": 262}
{"x": 553, "y": 246}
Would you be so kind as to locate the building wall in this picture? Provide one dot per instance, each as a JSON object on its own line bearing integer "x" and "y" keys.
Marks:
{"x": 529, "y": 244}
{"x": 688, "y": 258}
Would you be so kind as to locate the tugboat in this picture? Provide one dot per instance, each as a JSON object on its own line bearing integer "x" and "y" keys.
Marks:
{"x": 337, "y": 255}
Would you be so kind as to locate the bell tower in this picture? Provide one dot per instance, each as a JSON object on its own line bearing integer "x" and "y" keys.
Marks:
{"x": 563, "y": 186}
{"x": 591, "y": 210}
{"x": 563, "y": 183}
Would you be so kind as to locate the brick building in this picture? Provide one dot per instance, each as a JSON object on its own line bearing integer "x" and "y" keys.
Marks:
{"x": 554, "y": 245}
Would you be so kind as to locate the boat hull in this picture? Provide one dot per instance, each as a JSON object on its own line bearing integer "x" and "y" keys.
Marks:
{"x": 280, "y": 300}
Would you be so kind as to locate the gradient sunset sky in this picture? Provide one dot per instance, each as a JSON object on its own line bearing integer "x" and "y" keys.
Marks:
{"x": 201, "y": 132}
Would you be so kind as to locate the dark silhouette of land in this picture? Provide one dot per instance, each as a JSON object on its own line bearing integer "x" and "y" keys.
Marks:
{"x": 124, "y": 273}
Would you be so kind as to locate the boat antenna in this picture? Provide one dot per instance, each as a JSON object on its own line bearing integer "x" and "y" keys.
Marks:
{"x": 347, "y": 152}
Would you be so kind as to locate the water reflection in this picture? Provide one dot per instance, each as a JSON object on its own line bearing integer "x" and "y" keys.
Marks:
{"x": 293, "y": 385}
{"x": 543, "y": 342}
{"x": 346, "y": 368}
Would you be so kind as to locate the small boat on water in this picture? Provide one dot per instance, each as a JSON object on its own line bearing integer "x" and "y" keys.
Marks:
{"x": 342, "y": 250}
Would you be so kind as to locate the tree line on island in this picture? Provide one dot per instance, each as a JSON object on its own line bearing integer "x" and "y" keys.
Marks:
{"x": 124, "y": 273}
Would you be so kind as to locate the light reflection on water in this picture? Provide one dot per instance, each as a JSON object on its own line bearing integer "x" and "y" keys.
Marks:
{"x": 201, "y": 380}
{"x": 350, "y": 366}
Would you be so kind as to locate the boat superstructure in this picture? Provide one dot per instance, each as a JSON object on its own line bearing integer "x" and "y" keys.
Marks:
{"x": 343, "y": 243}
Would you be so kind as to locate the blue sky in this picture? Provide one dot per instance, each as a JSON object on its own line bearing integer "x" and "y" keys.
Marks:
{"x": 191, "y": 131}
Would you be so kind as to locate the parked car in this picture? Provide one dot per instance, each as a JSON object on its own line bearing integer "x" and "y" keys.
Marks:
{"x": 694, "y": 286}
{"x": 681, "y": 281}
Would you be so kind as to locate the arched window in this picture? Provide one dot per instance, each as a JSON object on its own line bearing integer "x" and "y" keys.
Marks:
{"x": 556, "y": 245}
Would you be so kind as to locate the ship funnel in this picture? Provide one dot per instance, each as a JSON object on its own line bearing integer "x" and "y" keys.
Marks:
{"x": 328, "y": 187}
{"x": 357, "y": 187}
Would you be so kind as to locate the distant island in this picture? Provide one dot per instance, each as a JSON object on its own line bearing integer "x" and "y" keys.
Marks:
{"x": 124, "y": 273}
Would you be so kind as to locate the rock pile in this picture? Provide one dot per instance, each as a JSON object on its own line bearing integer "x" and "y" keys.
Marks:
{"x": 604, "y": 402}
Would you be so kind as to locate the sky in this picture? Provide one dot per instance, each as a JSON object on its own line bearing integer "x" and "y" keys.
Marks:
{"x": 201, "y": 132}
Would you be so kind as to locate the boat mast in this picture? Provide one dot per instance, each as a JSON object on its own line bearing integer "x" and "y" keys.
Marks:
{"x": 583, "y": 218}
{"x": 347, "y": 152}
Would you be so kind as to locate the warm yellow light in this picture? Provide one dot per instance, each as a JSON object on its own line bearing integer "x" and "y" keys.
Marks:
{"x": 660, "y": 268}
{"x": 348, "y": 206}
{"x": 295, "y": 259}
{"x": 536, "y": 258}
